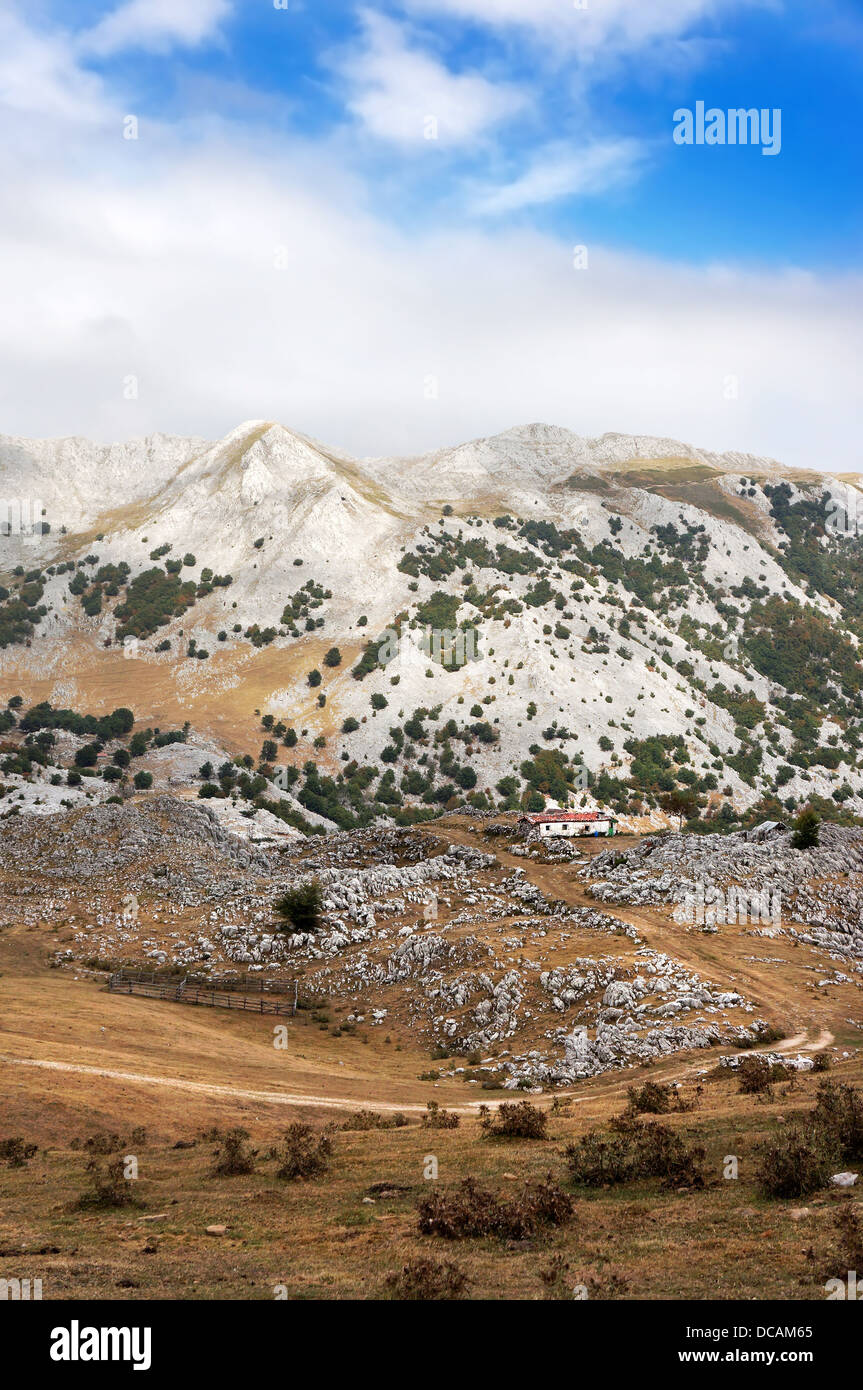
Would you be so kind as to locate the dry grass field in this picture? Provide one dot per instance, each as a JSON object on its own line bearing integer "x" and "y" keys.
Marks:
{"x": 79, "y": 1064}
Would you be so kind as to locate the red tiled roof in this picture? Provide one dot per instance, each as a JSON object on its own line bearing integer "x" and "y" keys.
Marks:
{"x": 539, "y": 816}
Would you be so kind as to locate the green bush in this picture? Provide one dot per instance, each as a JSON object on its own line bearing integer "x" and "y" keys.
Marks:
{"x": 806, "y": 829}
{"x": 300, "y": 908}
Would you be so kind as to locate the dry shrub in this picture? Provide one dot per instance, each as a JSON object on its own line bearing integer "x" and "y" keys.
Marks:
{"x": 797, "y": 1162}
{"x": 520, "y": 1120}
{"x": 839, "y": 1112}
{"x": 554, "y": 1279}
{"x": 822, "y": 1061}
{"x": 304, "y": 1153}
{"x": 609, "y": 1284}
{"x": 435, "y": 1118}
{"x": 558, "y": 1282}
{"x": 233, "y": 1157}
{"x": 655, "y": 1099}
{"x": 754, "y": 1077}
{"x": 103, "y": 1142}
{"x": 769, "y": 1033}
{"x": 428, "y": 1281}
{"x": 108, "y": 1186}
{"x": 803, "y": 1157}
{"x": 374, "y": 1119}
{"x": 16, "y": 1152}
{"x": 847, "y": 1251}
{"x": 472, "y": 1211}
{"x": 631, "y": 1150}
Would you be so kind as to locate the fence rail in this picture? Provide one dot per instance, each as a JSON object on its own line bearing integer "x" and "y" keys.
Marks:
{"x": 183, "y": 991}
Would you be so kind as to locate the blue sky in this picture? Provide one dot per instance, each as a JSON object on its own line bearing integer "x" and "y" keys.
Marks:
{"x": 282, "y": 70}
{"x": 420, "y": 171}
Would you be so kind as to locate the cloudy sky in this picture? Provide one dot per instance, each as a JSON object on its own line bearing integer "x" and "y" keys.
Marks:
{"x": 397, "y": 224}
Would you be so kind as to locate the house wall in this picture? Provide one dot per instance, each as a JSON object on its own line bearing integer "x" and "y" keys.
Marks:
{"x": 595, "y": 827}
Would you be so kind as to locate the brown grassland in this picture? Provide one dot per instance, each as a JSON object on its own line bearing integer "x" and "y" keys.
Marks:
{"x": 179, "y": 1074}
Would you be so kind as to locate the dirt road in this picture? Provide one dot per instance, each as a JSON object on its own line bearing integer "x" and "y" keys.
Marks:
{"x": 799, "y": 1043}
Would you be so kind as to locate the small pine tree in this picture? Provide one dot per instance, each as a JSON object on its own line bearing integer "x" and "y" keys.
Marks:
{"x": 300, "y": 908}
{"x": 806, "y": 830}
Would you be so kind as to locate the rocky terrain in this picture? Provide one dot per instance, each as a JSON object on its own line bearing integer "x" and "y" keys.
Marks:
{"x": 619, "y": 621}
{"x": 816, "y": 893}
{"x": 438, "y": 938}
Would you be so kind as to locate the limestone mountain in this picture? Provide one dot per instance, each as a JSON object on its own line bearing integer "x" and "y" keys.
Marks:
{"x": 537, "y": 615}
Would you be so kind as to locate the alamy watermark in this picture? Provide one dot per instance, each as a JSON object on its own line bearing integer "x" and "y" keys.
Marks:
{"x": 845, "y": 1289}
{"x": 20, "y": 1290}
{"x": 711, "y": 907}
{"x": 739, "y": 126}
{"x": 844, "y": 512}
{"x": 22, "y": 517}
{"x": 445, "y": 646}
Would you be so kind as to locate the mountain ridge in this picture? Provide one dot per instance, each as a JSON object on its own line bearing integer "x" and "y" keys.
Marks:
{"x": 610, "y": 590}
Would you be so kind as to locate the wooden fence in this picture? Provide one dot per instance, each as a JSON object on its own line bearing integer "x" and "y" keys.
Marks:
{"x": 257, "y": 997}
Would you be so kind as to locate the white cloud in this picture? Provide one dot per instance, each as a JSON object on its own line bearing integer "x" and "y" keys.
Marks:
{"x": 158, "y": 25}
{"x": 597, "y": 34}
{"x": 396, "y": 89}
{"x": 560, "y": 171}
{"x": 172, "y": 277}
{"x": 37, "y": 76}
{"x": 625, "y": 23}
{"x": 238, "y": 277}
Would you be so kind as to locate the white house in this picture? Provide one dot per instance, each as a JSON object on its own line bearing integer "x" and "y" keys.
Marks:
{"x": 569, "y": 823}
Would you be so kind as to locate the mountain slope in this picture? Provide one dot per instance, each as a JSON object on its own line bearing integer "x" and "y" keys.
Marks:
{"x": 609, "y": 593}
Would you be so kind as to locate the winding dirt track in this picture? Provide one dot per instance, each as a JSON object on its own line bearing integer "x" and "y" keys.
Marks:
{"x": 799, "y": 1043}
{"x": 208, "y": 1088}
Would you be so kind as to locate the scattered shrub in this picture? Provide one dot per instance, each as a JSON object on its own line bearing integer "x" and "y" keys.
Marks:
{"x": 16, "y": 1152}
{"x": 559, "y": 1283}
{"x": 847, "y": 1252}
{"x": 652, "y": 1099}
{"x": 798, "y": 1162}
{"x": 109, "y": 1186}
{"x": 633, "y": 1149}
{"x": 472, "y": 1211}
{"x": 233, "y": 1158}
{"x": 839, "y": 1113}
{"x": 435, "y": 1118}
{"x": 304, "y": 1153}
{"x": 518, "y": 1121}
{"x": 427, "y": 1281}
{"x": 801, "y": 1159}
{"x": 102, "y": 1143}
{"x": 374, "y": 1119}
{"x": 754, "y": 1076}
